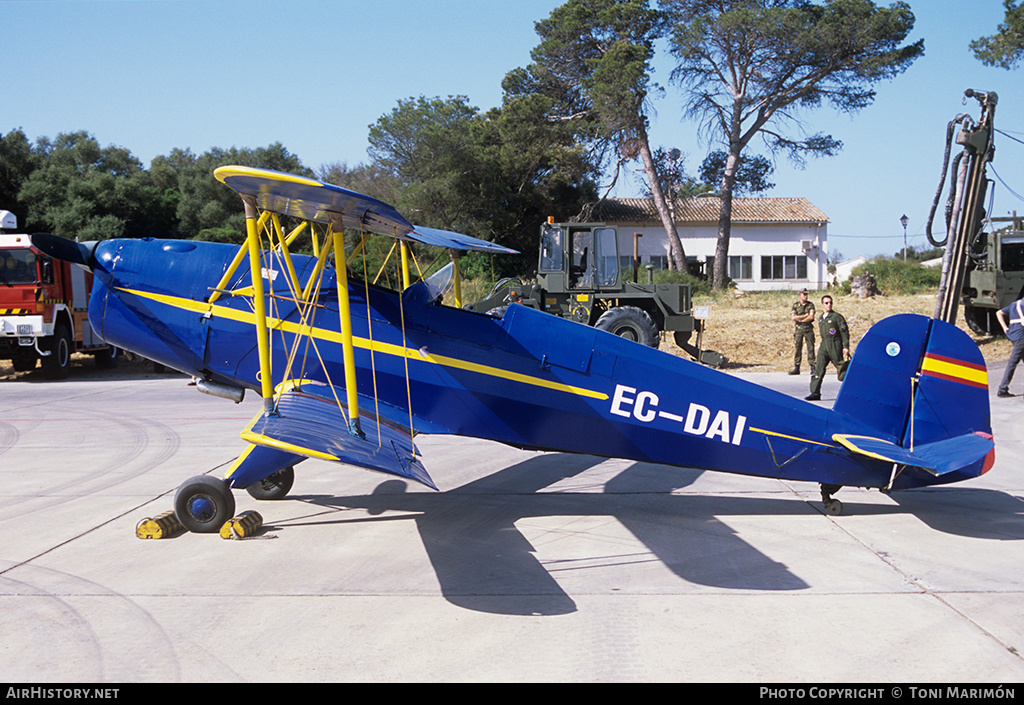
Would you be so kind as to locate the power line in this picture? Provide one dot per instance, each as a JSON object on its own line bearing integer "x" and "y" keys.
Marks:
{"x": 1007, "y": 134}
{"x": 1005, "y": 185}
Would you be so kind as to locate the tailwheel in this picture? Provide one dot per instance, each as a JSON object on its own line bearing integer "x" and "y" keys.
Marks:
{"x": 833, "y": 507}
{"x": 274, "y": 486}
{"x": 203, "y": 503}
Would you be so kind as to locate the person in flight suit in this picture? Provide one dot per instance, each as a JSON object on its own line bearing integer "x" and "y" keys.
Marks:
{"x": 803, "y": 333}
{"x": 834, "y": 348}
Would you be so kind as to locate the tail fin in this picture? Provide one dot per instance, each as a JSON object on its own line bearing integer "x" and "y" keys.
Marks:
{"x": 917, "y": 380}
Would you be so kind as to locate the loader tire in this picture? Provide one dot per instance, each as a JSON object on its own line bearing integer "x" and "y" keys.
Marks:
{"x": 631, "y": 323}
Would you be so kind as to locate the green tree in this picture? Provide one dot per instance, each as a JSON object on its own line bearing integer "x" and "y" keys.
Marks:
{"x": 429, "y": 147}
{"x": 538, "y": 169}
{"x": 752, "y": 172}
{"x": 670, "y": 167}
{"x": 494, "y": 176}
{"x": 1005, "y": 47}
{"x": 79, "y": 189}
{"x": 17, "y": 161}
{"x": 594, "y": 61}
{"x": 748, "y": 66}
{"x": 206, "y": 208}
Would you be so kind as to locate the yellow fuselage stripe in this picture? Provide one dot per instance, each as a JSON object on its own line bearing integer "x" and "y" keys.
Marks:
{"x": 376, "y": 346}
{"x": 792, "y": 438}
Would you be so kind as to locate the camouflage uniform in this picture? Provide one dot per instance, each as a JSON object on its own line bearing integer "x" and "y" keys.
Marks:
{"x": 835, "y": 337}
{"x": 803, "y": 334}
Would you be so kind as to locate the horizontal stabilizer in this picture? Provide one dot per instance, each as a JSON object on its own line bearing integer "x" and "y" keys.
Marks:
{"x": 937, "y": 458}
{"x": 315, "y": 428}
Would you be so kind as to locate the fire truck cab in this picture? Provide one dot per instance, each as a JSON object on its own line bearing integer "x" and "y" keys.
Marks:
{"x": 44, "y": 308}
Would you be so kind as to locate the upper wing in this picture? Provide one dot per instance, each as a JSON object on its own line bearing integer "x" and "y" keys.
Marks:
{"x": 317, "y": 201}
{"x": 456, "y": 241}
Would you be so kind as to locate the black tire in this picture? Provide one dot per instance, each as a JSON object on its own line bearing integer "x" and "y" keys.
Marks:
{"x": 203, "y": 503}
{"x": 57, "y": 364}
{"x": 982, "y": 321}
{"x": 631, "y": 323}
{"x": 107, "y": 359}
{"x": 275, "y": 486}
{"x": 24, "y": 363}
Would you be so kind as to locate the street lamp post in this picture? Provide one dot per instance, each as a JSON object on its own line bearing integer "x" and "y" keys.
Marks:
{"x": 904, "y": 221}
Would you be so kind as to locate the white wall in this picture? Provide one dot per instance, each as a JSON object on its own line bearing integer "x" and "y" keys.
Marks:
{"x": 754, "y": 241}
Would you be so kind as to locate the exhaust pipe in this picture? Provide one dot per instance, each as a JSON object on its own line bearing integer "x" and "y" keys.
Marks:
{"x": 224, "y": 391}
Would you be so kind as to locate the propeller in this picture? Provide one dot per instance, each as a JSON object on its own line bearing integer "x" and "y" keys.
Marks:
{"x": 80, "y": 253}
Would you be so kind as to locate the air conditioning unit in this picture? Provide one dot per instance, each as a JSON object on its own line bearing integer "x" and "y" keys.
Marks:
{"x": 8, "y": 221}
{"x": 806, "y": 245}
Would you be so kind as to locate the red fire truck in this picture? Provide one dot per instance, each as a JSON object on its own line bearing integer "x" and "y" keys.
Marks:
{"x": 44, "y": 307}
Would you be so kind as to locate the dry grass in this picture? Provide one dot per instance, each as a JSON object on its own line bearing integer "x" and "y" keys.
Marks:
{"x": 755, "y": 333}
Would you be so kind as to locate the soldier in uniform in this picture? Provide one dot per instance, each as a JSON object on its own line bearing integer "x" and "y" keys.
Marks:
{"x": 834, "y": 348}
{"x": 803, "y": 333}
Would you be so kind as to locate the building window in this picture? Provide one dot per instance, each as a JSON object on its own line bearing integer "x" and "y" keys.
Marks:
{"x": 659, "y": 261}
{"x": 783, "y": 267}
{"x": 741, "y": 267}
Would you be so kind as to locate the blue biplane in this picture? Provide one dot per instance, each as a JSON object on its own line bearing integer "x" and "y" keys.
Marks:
{"x": 350, "y": 371}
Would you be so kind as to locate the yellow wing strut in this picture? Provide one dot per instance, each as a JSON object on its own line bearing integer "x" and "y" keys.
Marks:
{"x": 262, "y": 332}
{"x": 345, "y": 314}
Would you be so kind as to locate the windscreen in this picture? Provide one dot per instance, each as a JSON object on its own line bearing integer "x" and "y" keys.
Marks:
{"x": 17, "y": 266}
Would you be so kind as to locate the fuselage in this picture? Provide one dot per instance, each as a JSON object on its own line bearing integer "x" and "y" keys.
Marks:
{"x": 526, "y": 379}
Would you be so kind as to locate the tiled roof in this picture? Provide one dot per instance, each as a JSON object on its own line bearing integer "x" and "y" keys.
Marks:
{"x": 705, "y": 210}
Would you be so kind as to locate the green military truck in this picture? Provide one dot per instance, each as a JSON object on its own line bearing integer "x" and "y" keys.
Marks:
{"x": 995, "y": 275}
{"x": 580, "y": 277}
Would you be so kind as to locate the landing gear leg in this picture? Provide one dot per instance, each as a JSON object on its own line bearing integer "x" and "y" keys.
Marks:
{"x": 833, "y": 507}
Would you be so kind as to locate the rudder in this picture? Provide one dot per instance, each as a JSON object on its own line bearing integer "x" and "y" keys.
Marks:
{"x": 916, "y": 380}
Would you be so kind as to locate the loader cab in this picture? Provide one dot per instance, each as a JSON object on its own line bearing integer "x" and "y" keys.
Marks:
{"x": 578, "y": 257}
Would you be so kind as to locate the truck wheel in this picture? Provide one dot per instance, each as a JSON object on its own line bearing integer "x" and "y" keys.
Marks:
{"x": 24, "y": 363}
{"x": 58, "y": 363}
{"x": 203, "y": 503}
{"x": 631, "y": 323}
{"x": 106, "y": 359}
{"x": 982, "y": 320}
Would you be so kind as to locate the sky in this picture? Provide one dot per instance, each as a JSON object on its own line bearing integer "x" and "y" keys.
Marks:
{"x": 154, "y": 75}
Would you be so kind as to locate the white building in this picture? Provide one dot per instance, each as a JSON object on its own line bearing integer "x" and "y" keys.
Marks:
{"x": 776, "y": 243}
{"x": 844, "y": 269}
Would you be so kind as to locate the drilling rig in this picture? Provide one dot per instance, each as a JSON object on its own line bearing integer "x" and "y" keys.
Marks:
{"x": 983, "y": 270}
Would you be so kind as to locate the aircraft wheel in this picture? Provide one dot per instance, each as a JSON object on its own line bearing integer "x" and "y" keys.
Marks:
{"x": 275, "y": 486}
{"x": 203, "y": 503}
{"x": 833, "y": 507}
{"x": 631, "y": 323}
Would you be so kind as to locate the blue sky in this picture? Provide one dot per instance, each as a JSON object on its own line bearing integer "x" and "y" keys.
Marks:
{"x": 152, "y": 75}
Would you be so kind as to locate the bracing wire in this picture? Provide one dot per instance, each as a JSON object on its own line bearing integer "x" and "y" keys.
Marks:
{"x": 373, "y": 360}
